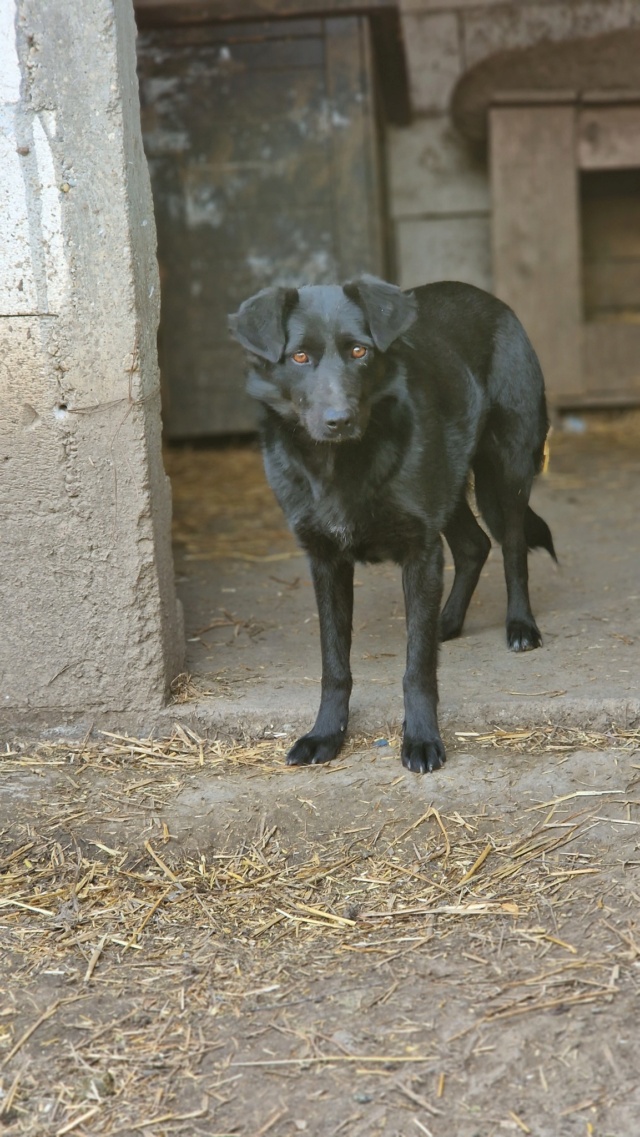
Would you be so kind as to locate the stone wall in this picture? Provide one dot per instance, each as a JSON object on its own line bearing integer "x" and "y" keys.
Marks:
{"x": 88, "y": 609}
{"x": 439, "y": 183}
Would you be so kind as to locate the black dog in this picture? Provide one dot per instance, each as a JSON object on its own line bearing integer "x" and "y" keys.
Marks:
{"x": 376, "y": 405}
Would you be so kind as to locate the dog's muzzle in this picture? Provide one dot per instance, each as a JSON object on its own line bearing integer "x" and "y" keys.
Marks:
{"x": 337, "y": 422}
{"x": 333, "y": 424}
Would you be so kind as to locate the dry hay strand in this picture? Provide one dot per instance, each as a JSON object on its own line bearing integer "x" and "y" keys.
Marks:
{"x": 226, "y": 683}
{"x": 187, "y": 688}
{"x": 185, "y": 748}
{"x": 92, "y": 919}
{"x": 223, "y": 507}
{"x": 84, "y": 892}
{"x": 248, "y": 923}
{"x": 234, "y": 929}
{"x": 552, "y": 739}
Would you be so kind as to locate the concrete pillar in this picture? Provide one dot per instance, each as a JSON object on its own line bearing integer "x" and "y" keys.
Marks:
{"x": 89, "y": 624}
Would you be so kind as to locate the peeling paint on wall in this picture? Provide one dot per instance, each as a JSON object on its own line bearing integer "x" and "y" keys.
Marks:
{"x": 33, "y": 270}
{"x": 50, "y": 236}
{"x": 10, "y": 77}
{"x": 18, "y": 294}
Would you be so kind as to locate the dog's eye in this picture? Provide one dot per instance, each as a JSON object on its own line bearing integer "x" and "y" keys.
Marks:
{"x": 358, "y": 351}
{"x": 300, "y": 357}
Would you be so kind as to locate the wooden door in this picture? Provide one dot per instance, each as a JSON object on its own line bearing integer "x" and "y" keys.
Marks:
{"x": 566, "y": 242}
{"x": 535, "y": 234}
{"x": 262, "y": 148}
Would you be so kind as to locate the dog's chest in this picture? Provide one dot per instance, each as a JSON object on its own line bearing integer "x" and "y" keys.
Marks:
{"x": 360, "y": 512}
{"x": 366, "y": 526}
{"x": 334, "y": 513}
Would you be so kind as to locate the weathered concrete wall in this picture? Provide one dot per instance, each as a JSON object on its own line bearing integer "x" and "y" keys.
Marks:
{"x": 88, "y": 609}
{"x": 439, "y": 184}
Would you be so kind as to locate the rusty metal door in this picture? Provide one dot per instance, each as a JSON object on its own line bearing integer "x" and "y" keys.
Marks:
{"x": 263, "y": 151}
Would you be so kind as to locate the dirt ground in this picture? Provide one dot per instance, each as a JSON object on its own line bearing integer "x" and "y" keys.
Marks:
{"x": 197, "y": 939}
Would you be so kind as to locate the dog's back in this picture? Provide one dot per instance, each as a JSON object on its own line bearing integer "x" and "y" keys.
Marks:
{"x": 488, "y": 337}
{"x": 512, "y": 423}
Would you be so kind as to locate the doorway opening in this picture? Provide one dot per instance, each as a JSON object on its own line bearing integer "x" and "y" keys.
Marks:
{"x": 265, "y": 145}
{"x": 610, "y": 237}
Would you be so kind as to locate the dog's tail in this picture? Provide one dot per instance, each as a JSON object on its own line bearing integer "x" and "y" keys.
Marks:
{"x": 536, "y": 531}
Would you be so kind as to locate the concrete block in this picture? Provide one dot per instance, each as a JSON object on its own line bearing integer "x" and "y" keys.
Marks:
{"x": 456, "y": 248}
{"x": 433, "y": 170}
{"x": 90, "y": 620}
{"x": 433, "y": 58}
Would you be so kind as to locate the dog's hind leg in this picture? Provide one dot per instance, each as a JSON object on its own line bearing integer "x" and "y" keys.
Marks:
{"x": 470, "y": 547}
{"x": 503, "y": 501}
{"x": 333, "y": 585}
{"x": 522, "y": 630}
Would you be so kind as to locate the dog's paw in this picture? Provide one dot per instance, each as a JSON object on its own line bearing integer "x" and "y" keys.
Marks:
{"x": 450, "y": 626}
{"x": 312, "y": 749}
{"x": 422, "y": 756}
{"x": 522, "y": 635}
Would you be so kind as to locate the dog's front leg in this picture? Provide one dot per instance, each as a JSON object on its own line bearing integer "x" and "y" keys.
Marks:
{"x": 333, "y": 584}
{"x": 422, "y": 746}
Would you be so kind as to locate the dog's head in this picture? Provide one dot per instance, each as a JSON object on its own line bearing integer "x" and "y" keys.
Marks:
{"x": 319, "y": 351}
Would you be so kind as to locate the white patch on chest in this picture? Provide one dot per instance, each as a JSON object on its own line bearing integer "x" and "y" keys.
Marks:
{"x": 342, "y": 534}
{"x": 331, "y": 514}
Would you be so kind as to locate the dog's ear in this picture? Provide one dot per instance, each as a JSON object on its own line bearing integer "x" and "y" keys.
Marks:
{"x": 259, "y": 322}
{"x": 388, "y": 309}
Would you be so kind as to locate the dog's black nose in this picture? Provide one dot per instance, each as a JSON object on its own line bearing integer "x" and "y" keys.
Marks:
{"x": 335, "y": 419}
